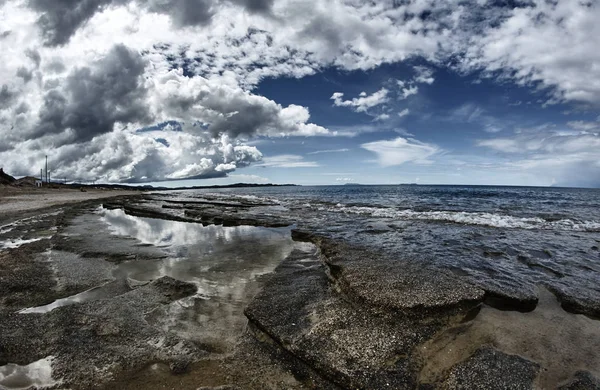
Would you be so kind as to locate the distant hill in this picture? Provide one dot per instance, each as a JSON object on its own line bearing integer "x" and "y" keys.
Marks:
{"x": 5, "y": 178}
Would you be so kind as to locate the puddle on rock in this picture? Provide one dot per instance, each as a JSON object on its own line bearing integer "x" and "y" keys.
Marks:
{"x": 562, "y": 343}
{"x": 37, "y": 374}
{"x": 225, "y": 264}
{"x": 89, "y": 295}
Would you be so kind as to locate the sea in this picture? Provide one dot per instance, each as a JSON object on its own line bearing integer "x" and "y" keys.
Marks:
{"x": 503, "y": 238}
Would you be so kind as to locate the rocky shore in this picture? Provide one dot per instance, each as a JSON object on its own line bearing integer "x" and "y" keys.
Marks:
{"x": 333, "y": 314}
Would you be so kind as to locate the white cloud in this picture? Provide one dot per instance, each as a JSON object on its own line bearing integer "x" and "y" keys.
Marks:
{"x": 404, "y": 113}
{"x": 329, "y": 151}
{"x": 424, "y": 75}
{"x": 549, "y": 42}
{"x": 201, "y": 65}
{"x": 363, "y": 102}
{"x": 584, "y": 126}
{"x": 409, "y": 91}
{"x": 287, "y": 161}
{"x": 125, "y": 156}
{"x": 222, "y": 108}
{"x": 572, "y": 157}
{"x": 401, "y": 150}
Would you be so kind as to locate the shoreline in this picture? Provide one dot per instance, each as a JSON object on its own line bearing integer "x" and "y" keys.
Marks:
{"x": 18, "y": 202}
{"x": 331, "y": 315}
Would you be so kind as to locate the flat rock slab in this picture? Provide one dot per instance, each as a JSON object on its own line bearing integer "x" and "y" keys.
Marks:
{"x": 490, "y": 369}
{"x": 394, "y": 284}
{"x": 578, "y": 299}
{"x": 345, "y": 342}
{"x": 93, "y": 340}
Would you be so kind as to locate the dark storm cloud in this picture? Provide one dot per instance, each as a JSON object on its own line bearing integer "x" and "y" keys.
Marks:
{"x": 259, "y": 6}
{"x": 6, "y": 96}
{"x": 200, "y": 12}
{"x": 184, "y": 12}
{"x": 245, "y": 118}
{"x": 93, "y": 100}
{"x": 25, "y": 74}
{"x": 60, "y": 19}
{"x": 34, "y": 55}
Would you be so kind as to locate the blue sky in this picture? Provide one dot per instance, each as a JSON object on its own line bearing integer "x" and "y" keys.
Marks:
{"x": 202, "y": 92}
{"x": 456, "y": 113}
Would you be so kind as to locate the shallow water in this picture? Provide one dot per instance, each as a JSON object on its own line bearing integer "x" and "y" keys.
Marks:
{"x": 501, "y": 238}
{"x": 562, "y": 343}
{"x": 225, "y": 263}
{"x": 36, "y": 374}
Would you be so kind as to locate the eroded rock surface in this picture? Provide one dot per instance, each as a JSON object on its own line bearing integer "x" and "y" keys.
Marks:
{"x": 493, "y": 370}
{"x": 92, "y": 340}
{"x": 393, "y": 284}
{"x": 354, "y": 343}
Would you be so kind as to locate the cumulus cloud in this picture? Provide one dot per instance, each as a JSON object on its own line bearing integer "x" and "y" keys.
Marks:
{"x": 424, "y": 75}
{"x": 79, "y": 74}
{"x": 534, "y": 41}
{"x": 225, "y": 109}
{"x": 546, "y": 42}
{"x": 60, "y": 20}
{"x": 408, "y": 91}
{"x": 363, "y": 102}
{"x": 400, "y": 90}
{"x": 124, "y": 156}
{"x": 90, "y": 101}
{"x": 401, "y": 150}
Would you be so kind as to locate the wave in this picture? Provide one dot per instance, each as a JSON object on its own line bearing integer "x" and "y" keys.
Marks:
{"x": 475, "y": 218}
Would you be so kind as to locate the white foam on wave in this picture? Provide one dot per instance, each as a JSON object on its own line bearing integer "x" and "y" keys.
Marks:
{"x": 467, "y": 218}
{"x": 37, "y": 374}
{"x": 240, "y": 197}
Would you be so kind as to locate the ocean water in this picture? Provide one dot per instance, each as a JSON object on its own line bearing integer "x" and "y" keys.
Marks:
{"x": 503, "y": 207}
{"x": 502, "y": 238}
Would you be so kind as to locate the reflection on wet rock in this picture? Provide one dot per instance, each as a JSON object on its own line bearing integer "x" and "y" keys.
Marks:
{"x": 223, "y": 262}
{"x": 36, "y": 374}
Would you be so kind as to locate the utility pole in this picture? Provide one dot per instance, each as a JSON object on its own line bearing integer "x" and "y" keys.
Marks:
{"x": 46, "y": 168}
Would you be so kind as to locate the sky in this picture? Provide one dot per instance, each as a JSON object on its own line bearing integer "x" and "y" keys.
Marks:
{"x": 203, "y": 92}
